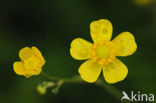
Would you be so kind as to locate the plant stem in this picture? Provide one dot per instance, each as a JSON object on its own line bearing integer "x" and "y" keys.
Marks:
{"x": 117, "y": 94}
{"x": 65, "y": 80}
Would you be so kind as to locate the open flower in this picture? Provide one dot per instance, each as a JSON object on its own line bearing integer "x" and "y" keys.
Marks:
{"x": 31, "y": 62}
{"x": 102, "y": 53}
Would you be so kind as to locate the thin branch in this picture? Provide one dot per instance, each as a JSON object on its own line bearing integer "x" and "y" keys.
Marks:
{"x": 116, "y": 93}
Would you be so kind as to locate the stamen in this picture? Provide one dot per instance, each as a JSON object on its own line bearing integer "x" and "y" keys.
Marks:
{"x": 102, "y": 52}
{"x": 31, "y": 63}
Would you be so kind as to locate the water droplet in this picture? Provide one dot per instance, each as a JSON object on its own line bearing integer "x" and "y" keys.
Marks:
{"x": 122, "y": 39}
{"x": 105, "y": 31}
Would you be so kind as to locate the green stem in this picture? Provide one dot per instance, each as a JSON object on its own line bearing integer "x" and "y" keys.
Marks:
{"x": 117, "y": 94}
{"x": 65, "y": 80}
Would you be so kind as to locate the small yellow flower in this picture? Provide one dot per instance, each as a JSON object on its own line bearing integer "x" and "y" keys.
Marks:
{"x": 31, "y": 62}
{"x": 102, "y": 53}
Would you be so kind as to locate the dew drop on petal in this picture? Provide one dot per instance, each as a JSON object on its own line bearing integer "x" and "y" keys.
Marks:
{"x": 105, "y": 31}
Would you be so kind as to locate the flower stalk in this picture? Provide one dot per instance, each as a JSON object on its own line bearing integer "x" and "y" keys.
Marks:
{"x": 116, "y": 93}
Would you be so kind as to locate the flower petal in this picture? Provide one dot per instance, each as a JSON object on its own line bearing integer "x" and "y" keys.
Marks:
{"x": 25, "y": 53}
{"x": 33, "y": 72}
{"x": 101, "y": 30}
{"x": 90, "y": 71}
{"x": 125, "y": 44}
{"x": 80, "y": 49}
{"x": 115, "y": 71}
{"x": 38, "y": 71}
{"x": 39, "y": 55}
{"x": 19, "y": 68}
{"x": 27, "y": 75}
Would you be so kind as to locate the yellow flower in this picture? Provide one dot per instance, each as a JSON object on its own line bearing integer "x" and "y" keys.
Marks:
{"x": 31, "y": 62}
{"x": 102, "y": 53}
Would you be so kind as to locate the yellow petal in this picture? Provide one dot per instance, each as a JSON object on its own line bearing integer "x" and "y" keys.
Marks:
{"x": 101, "y": 30}
{"x": 38, "y": 54}
{"x": 25, "y": 53}
{"x": 19, "y": 68}
{"x": 37, "y": 71}
{"x": 90, "y": 71}
{"x": 80, "y": 49}
{"x": 115, "y": 71}
{"x": 27, "y": 75}
{"x": 125, "y": 44}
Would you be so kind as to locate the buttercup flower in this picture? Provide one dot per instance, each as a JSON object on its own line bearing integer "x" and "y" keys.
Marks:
{"x": 102, "y": 53}
{"x": 31, "y": 62}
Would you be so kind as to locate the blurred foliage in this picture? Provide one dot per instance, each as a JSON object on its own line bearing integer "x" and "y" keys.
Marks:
{"x": 51, "y": 25}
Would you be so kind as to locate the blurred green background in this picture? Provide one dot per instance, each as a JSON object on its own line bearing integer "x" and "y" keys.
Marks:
{"x": 51, "y": 25}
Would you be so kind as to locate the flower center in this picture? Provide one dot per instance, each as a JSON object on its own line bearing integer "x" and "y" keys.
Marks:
{"x": 31, "y": 63}
{"x": 102, "y": 52}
